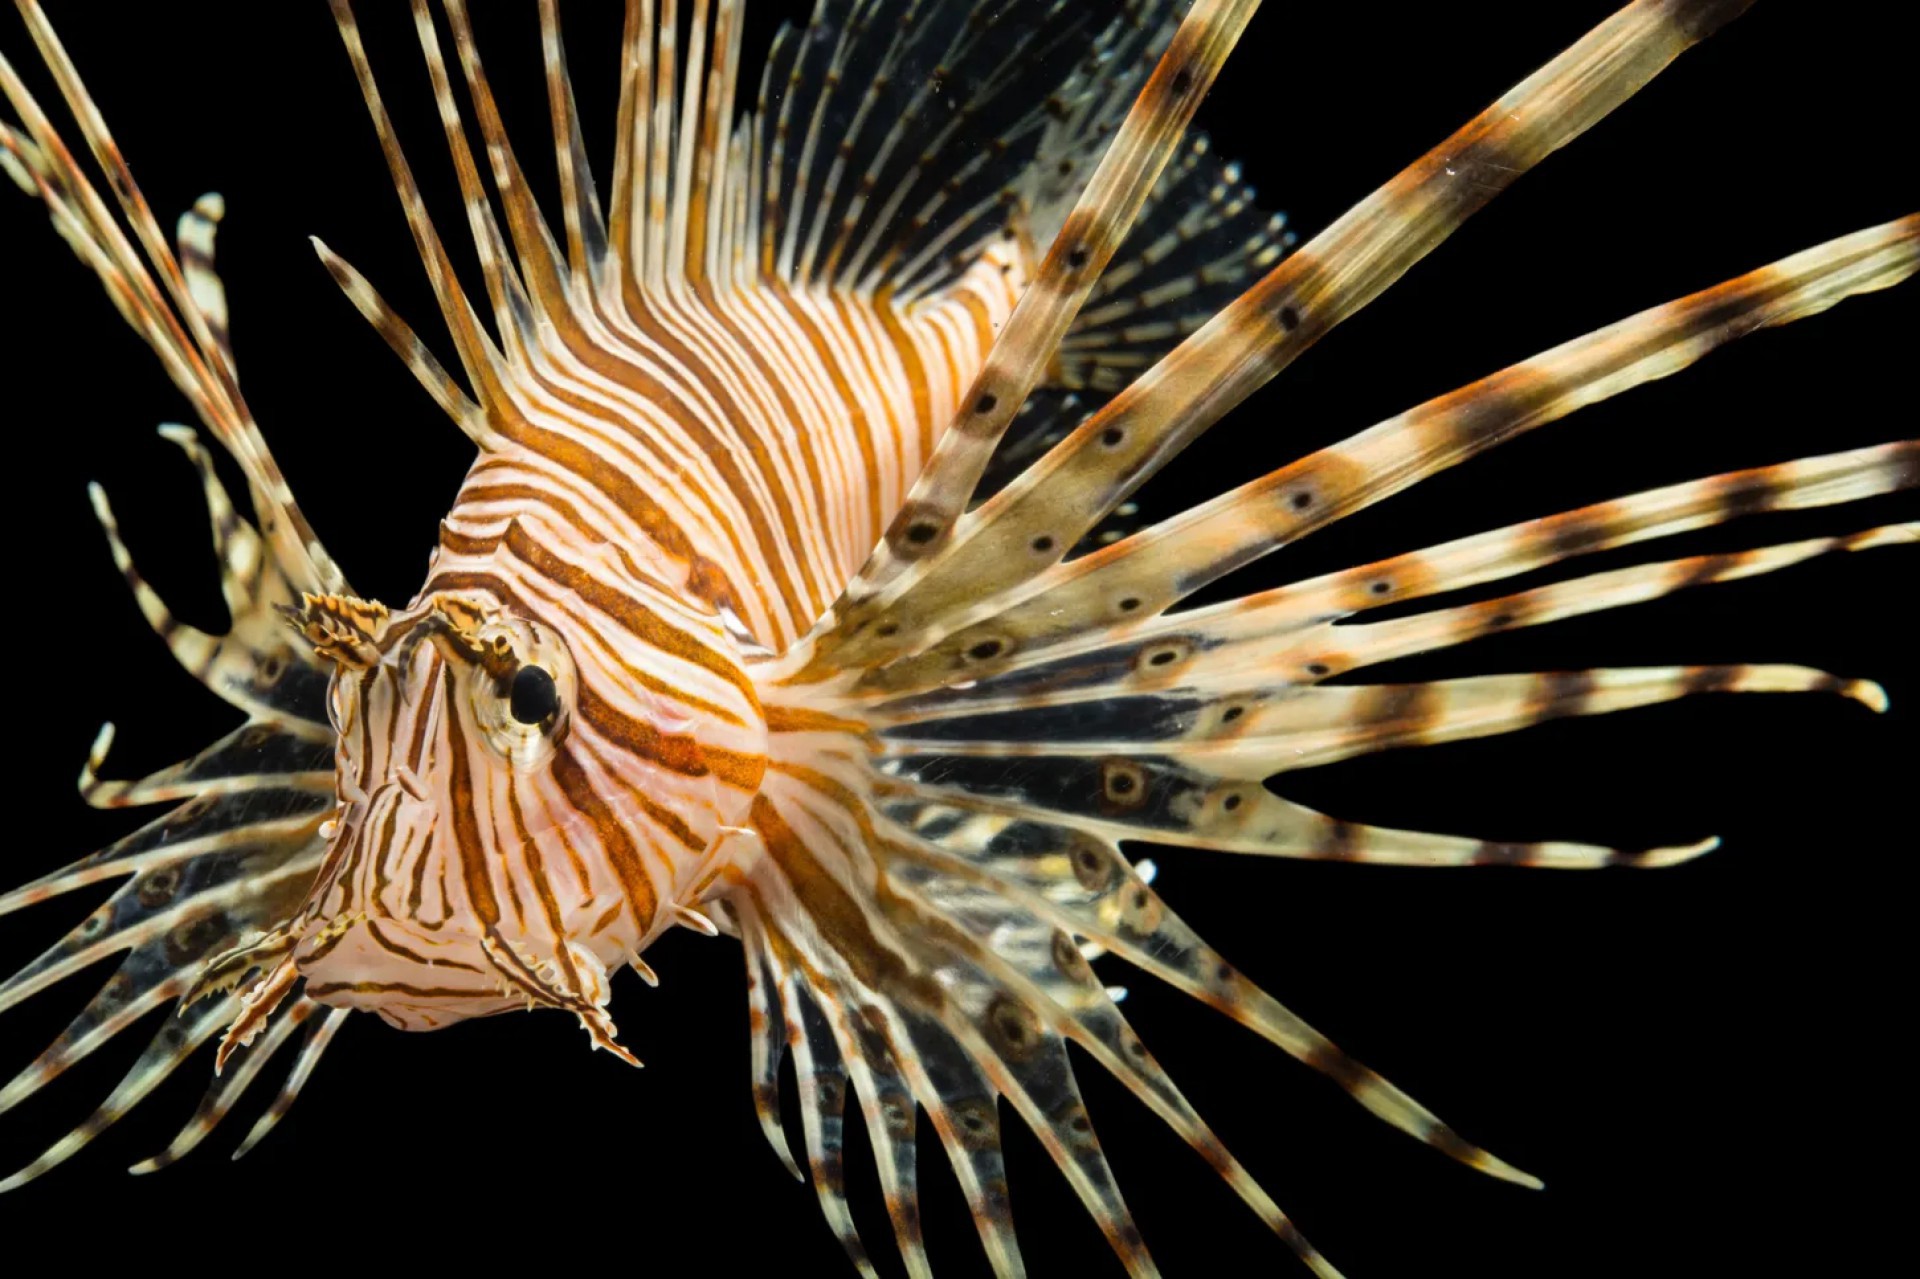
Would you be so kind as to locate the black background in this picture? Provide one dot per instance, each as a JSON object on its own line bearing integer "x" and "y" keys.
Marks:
{"x": 1702, "y": 1063}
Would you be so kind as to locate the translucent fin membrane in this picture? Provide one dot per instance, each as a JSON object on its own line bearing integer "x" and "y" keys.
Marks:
{"x": 956, "y": 986}
{"x": 1080, "y": 251}
{"x": 236, "y": 854}
{"x": 1082, "y": 884}
{"x": 964, "y": 743}
{"x": 1311, "y": 620}
{"x": 229, "y": 863}
{"x": 229, "y": 1087}
{"x": 1119, "y": 587}
{"x": 1198, "y": 239}
{"x": 935, "y": 561}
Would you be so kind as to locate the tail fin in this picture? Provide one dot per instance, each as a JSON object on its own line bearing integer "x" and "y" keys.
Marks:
{"x": 235, "y": 854}
{"x": 964, "y": 745}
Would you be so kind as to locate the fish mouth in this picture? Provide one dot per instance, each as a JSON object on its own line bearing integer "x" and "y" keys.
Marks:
{"x": 430, "y": 992}
{"x": 365, "y": 964}
{"x": 411, "y": 979}
{"x": 357, "y": 944}
{"x": 421, "y": 975}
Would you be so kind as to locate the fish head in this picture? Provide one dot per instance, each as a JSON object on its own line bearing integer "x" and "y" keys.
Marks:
{"x": 438, "y": 898}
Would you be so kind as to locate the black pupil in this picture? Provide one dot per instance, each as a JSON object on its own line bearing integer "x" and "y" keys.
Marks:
{"x": 534, "y": 698}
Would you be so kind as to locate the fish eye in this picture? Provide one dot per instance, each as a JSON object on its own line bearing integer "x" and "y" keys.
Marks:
{"x": 534, "y": 697}
{"x": 519, "y": 686}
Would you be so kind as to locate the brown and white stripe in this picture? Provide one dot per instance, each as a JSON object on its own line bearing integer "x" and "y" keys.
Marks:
{"x": 713, "y": 639}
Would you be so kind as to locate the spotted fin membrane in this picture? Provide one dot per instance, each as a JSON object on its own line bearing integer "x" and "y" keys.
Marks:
{"x": 1017, "y": 701}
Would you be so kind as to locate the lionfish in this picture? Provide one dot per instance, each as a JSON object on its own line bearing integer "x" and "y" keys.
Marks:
{"x": 785, "y": 599}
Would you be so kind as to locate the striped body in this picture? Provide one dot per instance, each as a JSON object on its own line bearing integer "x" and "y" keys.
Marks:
{"x": 736, "y": 449}
{"x": 792, "y": 596}
{"x": 575, "y": 857}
